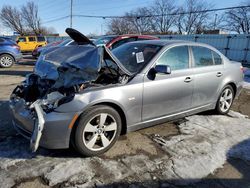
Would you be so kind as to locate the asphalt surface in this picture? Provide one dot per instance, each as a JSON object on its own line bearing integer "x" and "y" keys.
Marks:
{"x": 200, "y": 151}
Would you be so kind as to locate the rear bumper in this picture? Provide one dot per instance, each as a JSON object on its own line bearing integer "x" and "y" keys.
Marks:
{"x": 55, "y": 135}
{"x": 239, "y": 89}
{"x": 18, "y": 57}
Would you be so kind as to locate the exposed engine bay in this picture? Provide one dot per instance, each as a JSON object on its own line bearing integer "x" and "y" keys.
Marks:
{"x": 62, "y": 72}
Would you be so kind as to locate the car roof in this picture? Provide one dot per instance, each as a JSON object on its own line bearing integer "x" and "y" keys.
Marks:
{"x": 137, "y": 35}
{"x": 165, "y": 42}
{"x": 7, "y": 38}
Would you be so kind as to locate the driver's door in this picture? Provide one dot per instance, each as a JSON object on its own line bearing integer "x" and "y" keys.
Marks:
{"x": 169, "y": 93}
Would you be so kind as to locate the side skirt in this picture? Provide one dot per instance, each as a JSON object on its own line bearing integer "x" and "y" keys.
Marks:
{"x": 168, "y": 118}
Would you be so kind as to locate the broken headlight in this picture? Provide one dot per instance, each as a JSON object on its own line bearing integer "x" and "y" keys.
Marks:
{"x": 53, "y": 100}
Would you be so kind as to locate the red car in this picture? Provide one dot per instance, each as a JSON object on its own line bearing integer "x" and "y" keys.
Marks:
{"x": 114, "y": 41}
{"x": 121, "y": 39}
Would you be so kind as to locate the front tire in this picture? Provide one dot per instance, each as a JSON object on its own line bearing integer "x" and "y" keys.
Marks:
{"x": 98, "y": 129}
{"x": 225, "y": 100}
{"x": 6, "y": 60}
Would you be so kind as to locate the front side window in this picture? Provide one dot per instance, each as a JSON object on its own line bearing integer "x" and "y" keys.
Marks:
{"x": 202, "y": 56}
{"x": 177, "y": 58}
{"x": 217, "y": 58}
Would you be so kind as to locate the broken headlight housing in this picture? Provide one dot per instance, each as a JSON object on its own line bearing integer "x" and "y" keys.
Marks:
{"x": 53, "y": 100}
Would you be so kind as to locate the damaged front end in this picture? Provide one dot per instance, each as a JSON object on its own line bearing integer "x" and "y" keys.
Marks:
{"x": 59, "y": 74}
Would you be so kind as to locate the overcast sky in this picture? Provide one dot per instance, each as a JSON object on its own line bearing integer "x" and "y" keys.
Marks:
{"x": 53, "y": 9}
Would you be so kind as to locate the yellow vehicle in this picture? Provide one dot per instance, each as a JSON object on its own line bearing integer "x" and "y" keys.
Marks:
{"x": 29, "y": 43}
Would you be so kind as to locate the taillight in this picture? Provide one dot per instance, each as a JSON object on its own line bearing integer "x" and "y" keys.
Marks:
{"x": 243, "y": 69}
{"x": 17, "y": 47}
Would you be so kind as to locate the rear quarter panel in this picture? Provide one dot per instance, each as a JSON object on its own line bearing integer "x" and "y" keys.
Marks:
{"x": 233, "y": 74}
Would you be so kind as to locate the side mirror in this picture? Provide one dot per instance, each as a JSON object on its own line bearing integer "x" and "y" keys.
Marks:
{"x": 164, "y": 69}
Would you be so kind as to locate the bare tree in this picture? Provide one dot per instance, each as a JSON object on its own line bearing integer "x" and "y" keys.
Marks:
{"x": 195, "y": 18}
{"x": 47, "y": 30}
{"x": 238, "y": 20}
{"x": 140, "y": 20}
{"x": 165, "y": 19}
{"x": 120, "y": 26}
{"x": 11, "y": 17}
{"x": 31, "y": 17}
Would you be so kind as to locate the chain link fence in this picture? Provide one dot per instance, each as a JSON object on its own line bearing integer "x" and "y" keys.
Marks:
{"x": 235, "y": 47}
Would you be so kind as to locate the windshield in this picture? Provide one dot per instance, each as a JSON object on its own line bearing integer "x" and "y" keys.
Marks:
{"x": 135, "y": 56}
{"x": 104, "y": 40}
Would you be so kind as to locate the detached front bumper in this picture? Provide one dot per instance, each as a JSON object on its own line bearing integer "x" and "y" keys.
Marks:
{"x": 55, "y": 132}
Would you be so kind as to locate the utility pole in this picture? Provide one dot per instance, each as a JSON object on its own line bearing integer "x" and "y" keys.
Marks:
{"x": 215, "y": 21}
{"x": 71, "y": 12}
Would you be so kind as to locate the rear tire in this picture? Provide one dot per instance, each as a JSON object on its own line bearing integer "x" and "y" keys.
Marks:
{"x": 6, "y": 60}
{"x": 225, "y": 100}
{"x": 97, "y": 131}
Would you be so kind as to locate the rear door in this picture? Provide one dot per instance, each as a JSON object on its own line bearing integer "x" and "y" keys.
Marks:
{"x": 169, "y": 93}
{"x": 32, "y": 43}
{"x": 208, "y": 74}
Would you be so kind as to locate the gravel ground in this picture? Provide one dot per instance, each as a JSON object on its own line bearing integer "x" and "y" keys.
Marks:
{"x": 199, "y": 151}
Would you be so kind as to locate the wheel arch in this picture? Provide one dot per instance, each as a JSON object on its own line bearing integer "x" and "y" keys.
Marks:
{"x": 110, "y": 104}
{"x": 7, "y": 53}
{"x": 233, "y": 85}
{"x": 121, "y": 113}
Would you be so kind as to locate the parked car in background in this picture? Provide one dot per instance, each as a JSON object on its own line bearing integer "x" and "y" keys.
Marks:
{"x": 52, "y": 45}
{"x": 9, "y": 52}
{"x": 104, "y": 40}
{"x": 37, "y": 51}
{"x": 122, "y": 39}
{"x": 29, "y": 43}
{"x": 113, "y": 41}
{"x": 136, "y": 85}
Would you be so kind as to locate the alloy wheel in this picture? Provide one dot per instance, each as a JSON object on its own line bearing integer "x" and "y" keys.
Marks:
{"x": 226, "y": 100}
{"x": 99, "y": 132}
{"x": 6, "y": 61}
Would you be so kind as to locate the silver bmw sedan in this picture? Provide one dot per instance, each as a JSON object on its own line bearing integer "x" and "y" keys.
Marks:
{"x": 87, "y": 96}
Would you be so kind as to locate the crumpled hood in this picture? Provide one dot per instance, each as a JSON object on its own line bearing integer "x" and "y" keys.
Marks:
{"x": 69, "y": 65}
{"x": 72, "y": 65}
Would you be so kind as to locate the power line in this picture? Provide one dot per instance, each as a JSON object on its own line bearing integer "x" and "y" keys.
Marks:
{"x": 116, "y": 7}
{"x": 56, "y": 19}
{"x": 153, "y": 15}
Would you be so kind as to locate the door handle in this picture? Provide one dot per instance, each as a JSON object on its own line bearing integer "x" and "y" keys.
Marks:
{"x": 219, "y": 74}
{"x": 188, "y": 79}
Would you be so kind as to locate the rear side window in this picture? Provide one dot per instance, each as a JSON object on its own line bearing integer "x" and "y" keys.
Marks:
{"x": 22, "y": 39}
{"x": 217, "y": 58}
{"x": 41, "y": 39}
{"x": 32, "y": 39}
{"x": 202, "y": 56}
{"x": 177, "y": 58}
